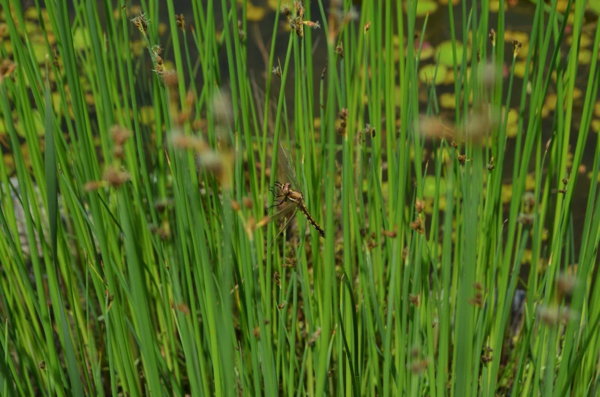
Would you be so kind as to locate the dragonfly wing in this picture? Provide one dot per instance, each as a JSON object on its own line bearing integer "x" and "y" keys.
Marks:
{"x": 287, "y": 222}
{"x": 286, "y": 166}
{"x": 283, "y": 210}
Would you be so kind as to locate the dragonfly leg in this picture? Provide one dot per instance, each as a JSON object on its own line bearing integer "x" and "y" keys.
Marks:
{"x": 278, "y": 203}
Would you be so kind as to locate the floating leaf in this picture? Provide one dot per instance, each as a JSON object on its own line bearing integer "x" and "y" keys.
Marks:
{"x": 162, "y": 28}
{"x": 585, "y": 56}
{"x": 596, "y": 125}
{"x": 81, "y": 39}
{"x": 448, "y": 100}
{"x": 584, "y": 40}
{"x": 38, "y": 124}
{"x": 425, "y": 7}
{"x": 445, "y": 53}
{"x": 31, "y": 14}
{"x": 495, "y": 6}
{"x": 512, "y": 125}
{"x": 427, "y": 51}
{"x": 511, "y": 35}
{"x": 254, "y": 13}
{"x": 520, "y": 67}
{"x": 428, "y": 72}
{"x": 146, "y": 115}
{"x": 9, "y": 162}
{"x": 39, "y": 49}
{"x": 429, "y": 188}
{"x": 274, "y": 4}
{"x": 506, "y": 193}
{"x": 594, "y": 6}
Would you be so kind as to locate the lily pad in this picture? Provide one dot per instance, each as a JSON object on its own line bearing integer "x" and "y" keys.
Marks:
{"x": 427, "y": 51}
{"x": 31, "y": 14}
{"x": 445, "y": 52}
{"x": 146, "y": 115}
{"x": 520, "y": 67}
{"x": 596, "y": 125}
{"x": 425, "y": 7}
{"x": 9, "y": 162}
{"x": 81, "y": 39}
{"x": 274, "y": 4}
{"x": 512, "y": 124}
{"x": 38, "y": 124}
{"x": 448, "y": 100}
{"x": 428, "y": 73}
{"x": 495, "y": 6}
{"x": 429, "y": 188}
{"x": 585, "y": 56}
{"x": 254, "y": 13}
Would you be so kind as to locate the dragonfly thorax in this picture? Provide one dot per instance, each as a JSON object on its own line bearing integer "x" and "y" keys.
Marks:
{"x": 294, "y": 196}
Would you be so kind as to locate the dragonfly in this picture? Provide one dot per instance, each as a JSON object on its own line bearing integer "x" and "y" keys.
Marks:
{"x": 287, "y": 199}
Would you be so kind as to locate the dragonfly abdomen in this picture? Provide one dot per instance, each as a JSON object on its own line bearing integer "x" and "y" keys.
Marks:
{"x": 302, "y": 208}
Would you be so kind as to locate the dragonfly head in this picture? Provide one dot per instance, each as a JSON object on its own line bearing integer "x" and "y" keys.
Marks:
{"x": 282, "y": 190}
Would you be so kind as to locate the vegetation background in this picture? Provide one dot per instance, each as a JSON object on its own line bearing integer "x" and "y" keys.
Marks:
{"x": 456, "y": 181}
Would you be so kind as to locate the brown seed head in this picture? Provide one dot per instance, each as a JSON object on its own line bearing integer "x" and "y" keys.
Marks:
{"x": 415, "y": 300}
{"x": 93, "y": 185}
{"x": 311, "y": 24}
{"x": 115, "y": 177}
{"x": 195, "y": 143}
{"x": 118, "y": 152}
{"x": 566, "y": 284}
{"x": 390, "y": 234}
{"x": 119, "y": 134}
{"x": 549, "y": 316}
{"x": 516, "y": 47}
{"x": 418, "y": 367}
{"x": 7, "y": 67}
{"x": 343, "y": 114}
{"x": 141, "y": 21}
{"x": 419, "y": 206}
{"x": 492, "y": 37}
{"x": 180, "y": 20}
{"x": 183, "y": 308}
{"x": 170, "y": 79}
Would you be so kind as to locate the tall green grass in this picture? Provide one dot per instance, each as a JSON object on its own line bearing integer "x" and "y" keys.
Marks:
{"x": 137, "y": 267}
